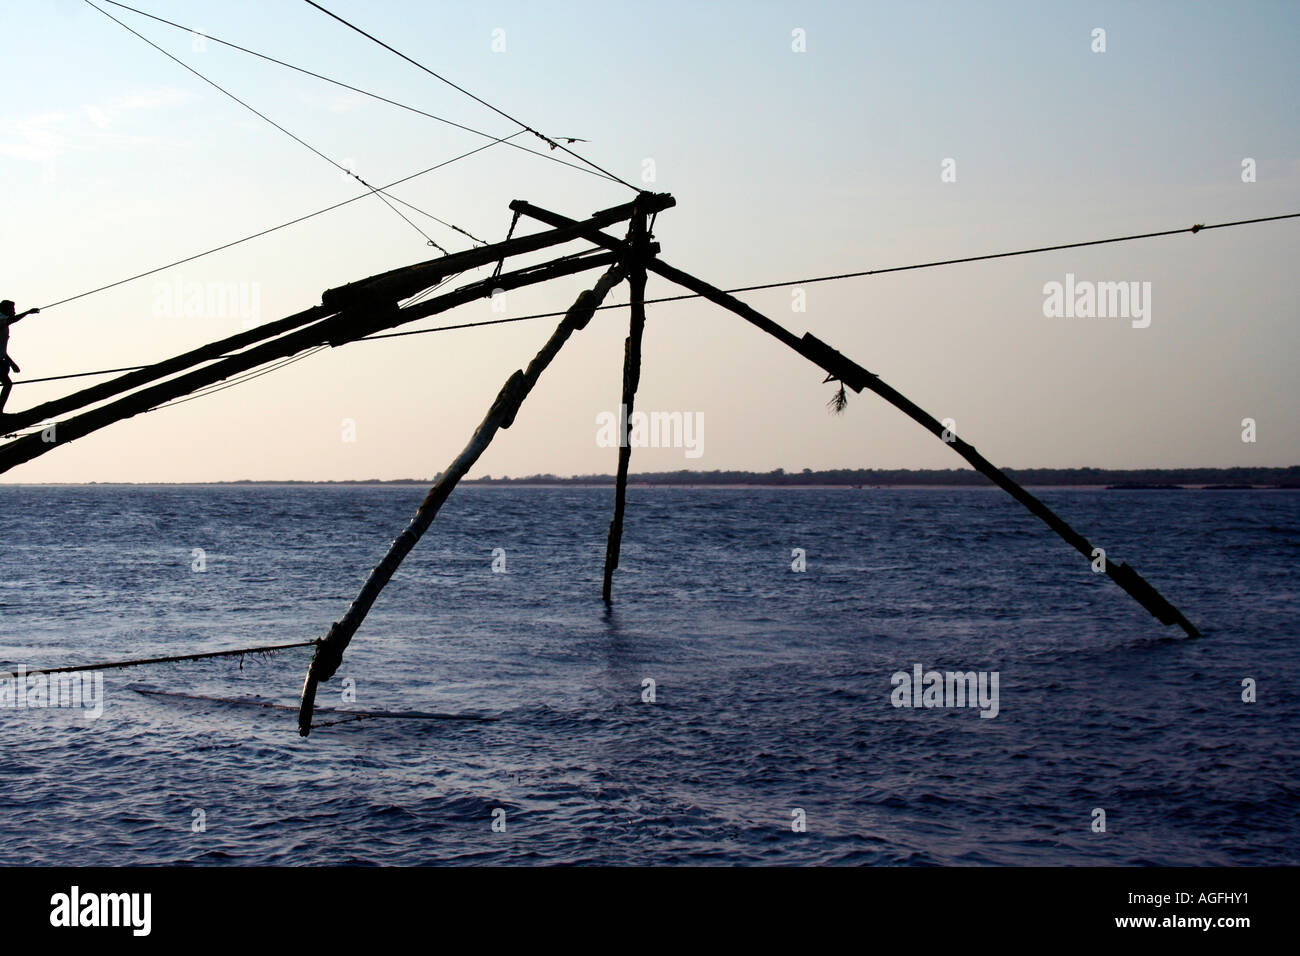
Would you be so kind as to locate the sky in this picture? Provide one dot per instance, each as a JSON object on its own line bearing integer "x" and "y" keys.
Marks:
{"x": 799, "y": 140}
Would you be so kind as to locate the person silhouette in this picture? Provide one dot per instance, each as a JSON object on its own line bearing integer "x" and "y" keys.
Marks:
{"x": 7, "y": 318}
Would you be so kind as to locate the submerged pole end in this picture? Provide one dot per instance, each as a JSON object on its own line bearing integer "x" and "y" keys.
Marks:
{"x": 322, "y": 667}
{"x": 308, "y": 706}
{"x": 1141, "y": 591}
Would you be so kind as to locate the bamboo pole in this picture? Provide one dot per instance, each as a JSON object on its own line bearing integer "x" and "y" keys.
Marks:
{"x": 637, "y": 240}
{"x": 338, "y": 329}
{"x": 858, "y": 378}
{"x": 329, "y": 652}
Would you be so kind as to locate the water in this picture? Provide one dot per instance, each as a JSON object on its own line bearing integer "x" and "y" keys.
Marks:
{"x": 772, "y": 687}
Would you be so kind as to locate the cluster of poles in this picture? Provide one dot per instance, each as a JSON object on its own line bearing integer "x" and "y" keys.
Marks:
{"x": 372, "y": 305}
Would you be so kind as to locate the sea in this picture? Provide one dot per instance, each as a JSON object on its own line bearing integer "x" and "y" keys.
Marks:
{"x": 747, "y": 698}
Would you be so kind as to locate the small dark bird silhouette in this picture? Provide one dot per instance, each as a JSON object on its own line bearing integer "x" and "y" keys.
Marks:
{"x": 570, "y": 139}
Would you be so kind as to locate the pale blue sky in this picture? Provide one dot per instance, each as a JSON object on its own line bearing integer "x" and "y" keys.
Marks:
{"x": 114, "y": 159}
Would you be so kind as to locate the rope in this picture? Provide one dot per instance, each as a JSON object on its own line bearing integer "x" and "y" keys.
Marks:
{"x": 343, "y": 715}
{"x": 1200, "y": 227}
{"x": 400, "y": 213}
{"x": 846, "y": 275}
{"x": 268, "y": 649}
{"x": 349, "y": 714}
{"x": 258, "y": 235}
{"x": 425, "y": 293}
{"x": 246, "y": 377}
{"x": 56, "y": 378}
{"x": 526, "y": 128}
{"x": 206, "y": 391}
{"x": 769, "y": 285}
{"x": 260, "y": 115}
{"x": 509, "y": 232}
{"x": 354, "y": 89}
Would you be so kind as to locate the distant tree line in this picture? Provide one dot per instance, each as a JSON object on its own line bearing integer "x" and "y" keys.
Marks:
{"x": 955, "y": 477}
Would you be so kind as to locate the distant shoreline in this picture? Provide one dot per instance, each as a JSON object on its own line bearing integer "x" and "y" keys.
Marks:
{"x": 1145, "y": 479}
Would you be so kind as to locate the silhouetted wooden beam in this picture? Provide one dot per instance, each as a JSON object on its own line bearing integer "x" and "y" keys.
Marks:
{"x": 401, "y": 283}
{"x": 329, "y": 652}
{"x": 359, "y": 321}
{"x": 858, "y": 378}
{"x": 392, "y": 286}
{"x": 637, "y": 241}
{"x": 151, "y": 373}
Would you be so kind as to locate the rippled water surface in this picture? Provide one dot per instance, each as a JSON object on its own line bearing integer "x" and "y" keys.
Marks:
{"x": 772, "y": 687}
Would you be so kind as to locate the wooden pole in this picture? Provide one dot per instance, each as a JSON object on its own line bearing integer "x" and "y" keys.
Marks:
{"x": 356, "y": 322}
{"x": 329, "y": 652}
{"x": 151, "y": 373}
{"x": 858, "y": 378}
{"x": 637, "y": 240}
{"x": 390, "y": 286}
